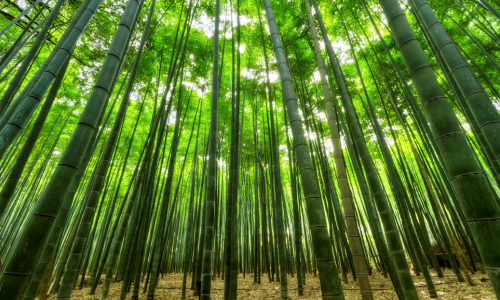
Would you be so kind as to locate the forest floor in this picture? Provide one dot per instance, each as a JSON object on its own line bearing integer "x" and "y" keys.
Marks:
{"x": 447, "y": 287}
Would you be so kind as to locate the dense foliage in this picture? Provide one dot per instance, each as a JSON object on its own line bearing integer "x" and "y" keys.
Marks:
{"x": 150, "y": 185}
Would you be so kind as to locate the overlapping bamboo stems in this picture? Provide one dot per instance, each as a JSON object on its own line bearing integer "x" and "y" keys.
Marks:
{"x": 118, "y": 239}
{"x": 490, "y": 56}
{"x": 15, "y": 174}
{"x": 141, "y": 234}
{"x": 159, "y": 234}
{"x": 71, "y": 272}
{"x": 106, "y": 244}
{"x": 16, "y": 19}
{"x": 484, "y": 77}
{"x": 7, "y": 44}
{"x": 393, "y": 239}
{"x": 160, "y": 136}
{"x": 189, "y": 230}
{"x": 23, "y": 68}
{"x": 267, "y": 239}
{"x": 176, "y": 219}
{"x": 487, "y": 30}
{"x": 280, "y": 237}
{"x": 198, "y": 217}
{"x": 18, "y": 207}
{"x": 420, "y": 118}
{"x": 21, "y": 41}
{"x": 374, "y": 221}
{"x": 296, "y": 215}
{"x": 400, "y": 194}
{"x": 453, "y": 210}
{"x": 442, "y": 173}
{"x": 244, "y": 249}
{"x": 50, "y": 203}
{"x": 337, "y": 225}
{"x": 486, "y": 148}
{"x": 466, "y": 175}
{"x": 170, "y": 231}
{"x": 151, "y": 176}
{"x": 126, "y": 271}
{"x": 26, "y": 207}
{"x": 352, "y": 229}
{"x": 98, "y": 252}
{"x": 110, "y": 207}
{"x": 333, "y": 230}
{"x": 174, "y": 59}
{"x": 232, "y": 260}
{"x": 490, "y": 8}
{"x": 9, "y": 210}
{"x": 69, "y": 36}
{"x": 257, "y": 264}
{"x": 263, "y": 208}
{"x": 392, "y": 98}
{"x": 44, "y": 268}
{"x": 210, "y": 208}
{"x": 270, "y": 204}
{"x": 277, "y": 189}
{"x": 432, "y": 196}
{"x": 12, "y": 68}
{"x": 188, "y": 234}
{"x": 443, "y": 221}
{"x": 398, "y": 187}
{"x": 111, "y": 177}
{"x": 330, "y": 282}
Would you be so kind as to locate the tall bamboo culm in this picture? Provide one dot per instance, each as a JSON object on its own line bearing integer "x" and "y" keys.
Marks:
{"x": 467, "y": 177}
{"x": 328, "y": 274}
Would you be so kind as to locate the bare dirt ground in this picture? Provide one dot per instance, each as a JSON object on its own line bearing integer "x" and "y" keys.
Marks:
{"x": 447, "y": 288}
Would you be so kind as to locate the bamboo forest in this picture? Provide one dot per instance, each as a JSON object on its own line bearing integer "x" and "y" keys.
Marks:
{"x": 249, "y": 149}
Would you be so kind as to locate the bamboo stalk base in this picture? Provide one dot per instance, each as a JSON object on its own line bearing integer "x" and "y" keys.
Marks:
{"x": 447, "y": 287}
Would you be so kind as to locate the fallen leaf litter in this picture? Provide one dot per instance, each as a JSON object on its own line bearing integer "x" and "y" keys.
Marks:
{"x": 170, "y": 287}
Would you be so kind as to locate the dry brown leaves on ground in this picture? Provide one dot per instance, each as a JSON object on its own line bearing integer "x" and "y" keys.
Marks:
{"x": 448, "y": 288}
